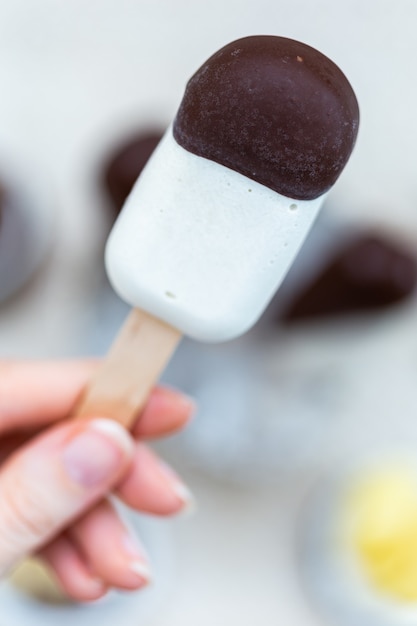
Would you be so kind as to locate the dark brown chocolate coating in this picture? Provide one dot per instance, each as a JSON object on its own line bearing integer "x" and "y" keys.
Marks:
{"x": 370, "y": 273}
{"x": 273, "y": 109}
{"x": 126, "y": 163}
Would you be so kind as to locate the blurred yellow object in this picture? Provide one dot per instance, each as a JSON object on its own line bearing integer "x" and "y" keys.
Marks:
{"x": 382, "y": 523}
{"x": 35, "y": 579}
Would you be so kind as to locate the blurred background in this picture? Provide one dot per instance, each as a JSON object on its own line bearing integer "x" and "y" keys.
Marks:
{"x": 302, "y": 455}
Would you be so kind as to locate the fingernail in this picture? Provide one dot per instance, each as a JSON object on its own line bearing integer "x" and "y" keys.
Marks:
{"x": 139, "y": 559}
{"x": 97, "y": 452}
{"x": 184, "y": 495}
{"x": 189, "y": 403}
{"x": 168, "y": 394}
{"x": 189, "y": 505}
{"x": 142, "y": 570}
{"x": 133, "y": 547}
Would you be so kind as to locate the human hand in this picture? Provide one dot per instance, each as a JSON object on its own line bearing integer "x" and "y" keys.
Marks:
{"x": 54, "y": 474}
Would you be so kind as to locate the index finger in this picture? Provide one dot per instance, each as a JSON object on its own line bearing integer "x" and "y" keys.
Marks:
{"x": 34, "y": 394}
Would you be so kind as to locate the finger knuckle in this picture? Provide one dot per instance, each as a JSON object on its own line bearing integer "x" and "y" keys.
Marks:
{"x": 23, "y": 513}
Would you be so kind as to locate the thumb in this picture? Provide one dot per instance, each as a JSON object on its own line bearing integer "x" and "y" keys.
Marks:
{"x": 54, "y": 479}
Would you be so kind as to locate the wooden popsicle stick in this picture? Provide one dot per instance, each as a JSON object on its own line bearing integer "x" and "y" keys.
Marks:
{"x": 137, "y": 358}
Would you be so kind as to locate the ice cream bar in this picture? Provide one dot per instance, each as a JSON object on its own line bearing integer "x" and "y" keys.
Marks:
{"x": 219, "y": 212}
{"x": 217, "y": 216}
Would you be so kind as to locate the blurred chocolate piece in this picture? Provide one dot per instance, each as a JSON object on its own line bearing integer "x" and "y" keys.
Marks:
{"x": 369, "y": 273}
{"x": 125, "y": 165}
{"x": 25, "y": 233}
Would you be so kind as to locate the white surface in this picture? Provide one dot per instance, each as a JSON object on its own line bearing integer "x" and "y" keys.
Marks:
{"x": 76, "y": 75}
{"x": 201, "y": 246}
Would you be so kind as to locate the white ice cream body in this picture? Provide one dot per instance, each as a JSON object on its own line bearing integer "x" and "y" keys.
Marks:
{"x": 201, "y": 246}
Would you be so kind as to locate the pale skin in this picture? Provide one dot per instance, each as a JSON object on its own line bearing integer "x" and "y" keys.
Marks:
{"x": 55, "y": 474}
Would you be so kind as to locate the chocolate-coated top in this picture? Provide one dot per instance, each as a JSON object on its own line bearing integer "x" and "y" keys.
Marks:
{"x": 273, "y": 109}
